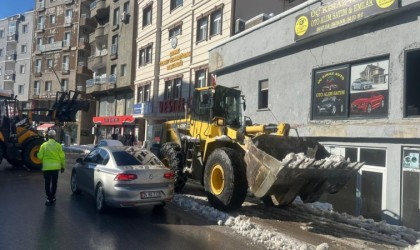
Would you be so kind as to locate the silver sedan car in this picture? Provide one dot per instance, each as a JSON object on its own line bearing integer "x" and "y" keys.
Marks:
{"x": 123, "y": 177}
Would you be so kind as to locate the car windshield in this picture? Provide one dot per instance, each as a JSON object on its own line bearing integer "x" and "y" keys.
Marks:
{"x": 122, "y": 158}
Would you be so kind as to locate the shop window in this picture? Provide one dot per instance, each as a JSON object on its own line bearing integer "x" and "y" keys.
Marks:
{"x": 147, "y": 15}
{"x": 358, "y": 90}
{"x": 175, "y": 4}
{"x": 263, "y": 94}
{"x": 374, "y": 157}
{"x": 412, "y": 86}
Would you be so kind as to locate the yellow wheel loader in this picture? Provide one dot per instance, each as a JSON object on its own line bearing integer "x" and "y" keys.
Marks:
{"x": 19, "y": 141}
{"x": 229, "y": 155}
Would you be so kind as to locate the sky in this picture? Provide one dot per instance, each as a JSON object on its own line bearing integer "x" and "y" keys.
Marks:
{"x": 13, "y": 7}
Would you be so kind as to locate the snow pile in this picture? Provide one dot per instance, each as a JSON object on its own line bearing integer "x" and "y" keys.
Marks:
{"x": 242, "y": 225}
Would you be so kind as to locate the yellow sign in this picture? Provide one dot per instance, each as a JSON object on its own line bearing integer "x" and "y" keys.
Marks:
{"x": 175, "y": 59}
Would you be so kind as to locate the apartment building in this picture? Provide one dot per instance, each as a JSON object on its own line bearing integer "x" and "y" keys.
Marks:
{"x": 112, "y": 61}
{"x": 15, "y": 55}
{"x": 172, "y": 58}
{"x": 60, "y": 53}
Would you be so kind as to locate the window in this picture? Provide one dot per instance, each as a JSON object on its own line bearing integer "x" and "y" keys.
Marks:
{"x": 124, "y": 70}
{"x": 114, "y": 70}
{"x": 67, "y": 39}
{"x": 52, "y": 19}
{"x": 147, "y": 15}
{"x": 48, "y": 85}
{"x": 216, "y": 23}
{"x": 412, "y": 102}
{"x": 126, "y": 7}
{"x": 145, "y": 55}
{"x": 23, "y": 48}
{"x": 175, "y": 31}
{"x": 36, "y": 88}
{"x": 69, "y": 16}
{"x": 66, "y": 63}
{"x": 22, "y": 69}
{"x": 51, "y": 40}
{"x": 114, "y": 45}
{"x": 38, "y": 66}
{"x": 25, "y": 28}
{"x": 116, "y": 17}
{"x": 173, "y": 89}
{"x": 50, "y": 63}
{"x": 64, "y": 84}
{"x": 143, "y": 93}
{"x": 175, "y": 4}
{"x": 40, "y": 25}
{"x": 20, "y": 90}
{"x": 202, "y": 29}
{"x": 1, "y": 52}
{"x": 200, "y": 78}
{"x": 1, "y": 33}
{"x": 39, "y": 43}
{"x": 263, "y": 94}
{"x": 1, "y": 71}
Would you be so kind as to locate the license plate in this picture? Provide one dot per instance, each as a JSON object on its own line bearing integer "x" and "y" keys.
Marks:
{"x": 150, "y": 194}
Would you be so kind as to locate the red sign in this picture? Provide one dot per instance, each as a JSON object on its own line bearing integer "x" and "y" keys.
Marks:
{"x": 169, "y": 106}
{"x": 113, "y": 120}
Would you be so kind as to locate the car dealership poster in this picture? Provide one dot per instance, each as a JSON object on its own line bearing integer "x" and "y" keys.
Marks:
{"x": 330, "y": 98}
{"x": 369, "y": 89}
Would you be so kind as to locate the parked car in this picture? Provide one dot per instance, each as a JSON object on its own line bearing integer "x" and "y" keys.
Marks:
{"x": 330, "y": 87}
{"x": 368, "y": 101}
{"x": 361, "y": 84}
{"x": 122, "y": 177}
{"x": 109, "y": 142}
{"x": 330, "y": 105}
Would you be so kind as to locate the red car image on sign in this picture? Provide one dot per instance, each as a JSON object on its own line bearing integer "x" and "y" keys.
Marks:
{"x": 368, "y": 101}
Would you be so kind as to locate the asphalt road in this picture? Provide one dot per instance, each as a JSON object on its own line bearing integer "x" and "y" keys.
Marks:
{"x": 73, "y": 223}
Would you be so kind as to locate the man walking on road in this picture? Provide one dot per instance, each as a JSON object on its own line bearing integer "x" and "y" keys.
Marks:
{"x": 53, "y": 160}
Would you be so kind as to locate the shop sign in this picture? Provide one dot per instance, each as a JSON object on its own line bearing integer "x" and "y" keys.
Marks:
{"x": 142, "y": 108}
{"x": 338, "y": 13}
{"x": 113, "y": 120}
{"x": 170, "y": 106}
{"x": 330, "y": 93}
{"x": 175, "y": 59}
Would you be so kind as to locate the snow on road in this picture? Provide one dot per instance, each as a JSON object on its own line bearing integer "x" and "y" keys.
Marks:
{"x": 271, "y": 239}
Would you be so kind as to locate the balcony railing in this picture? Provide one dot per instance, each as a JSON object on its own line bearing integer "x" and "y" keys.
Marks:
{"x": 112, "y": 79}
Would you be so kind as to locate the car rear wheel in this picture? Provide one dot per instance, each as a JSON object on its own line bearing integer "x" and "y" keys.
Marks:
{"x": 100, "y": 199}
{"x": 73, "y": 183}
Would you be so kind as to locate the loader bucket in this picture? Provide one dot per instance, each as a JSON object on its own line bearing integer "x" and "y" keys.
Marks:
{"x": 286, "y": 167}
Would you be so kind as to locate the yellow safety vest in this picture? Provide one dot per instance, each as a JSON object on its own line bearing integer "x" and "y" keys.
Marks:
{"x": 52, "y": 155}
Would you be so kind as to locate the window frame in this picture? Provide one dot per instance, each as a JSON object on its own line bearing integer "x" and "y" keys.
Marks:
{"x": 147, "y": 18}
{"x": 263, "y": 94}
{"x": 174, "y": 4}
{"x": 200, "y": 31}
{"x": 173, "y": 89}
{"x": 143, "y": 93}
{"x": 218, "y": 24}
{"x": 48, "y": 86}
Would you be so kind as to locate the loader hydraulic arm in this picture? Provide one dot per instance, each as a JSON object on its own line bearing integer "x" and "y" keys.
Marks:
{"x": 281, "y": 129}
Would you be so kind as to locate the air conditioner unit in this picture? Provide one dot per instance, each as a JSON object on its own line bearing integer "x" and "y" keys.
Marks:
{"x": 9, "y": 57}
{"x": 125, "y": 17}
{"x": 8, "y": 77}
{"x": 239, "y": 25}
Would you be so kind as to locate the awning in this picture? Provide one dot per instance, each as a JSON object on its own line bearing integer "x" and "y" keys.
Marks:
{"x": 45, "y": 126}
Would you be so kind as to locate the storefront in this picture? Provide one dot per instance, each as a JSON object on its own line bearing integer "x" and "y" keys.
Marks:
{"x": 114, "y": 127}
{"x": 345, "y": 73}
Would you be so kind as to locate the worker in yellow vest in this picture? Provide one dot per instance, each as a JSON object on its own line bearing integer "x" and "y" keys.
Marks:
{"x": 53, "y": 160}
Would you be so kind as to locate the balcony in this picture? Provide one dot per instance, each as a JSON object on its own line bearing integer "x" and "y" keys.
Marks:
{"x": 83, "y": 44}
{"x": 100, "y": 83}
{"x": 11, "y": 55}
{"x": 82, "y": 69}
{"x": 98, "y": 60}
{"x": 50, "y": 47}
{"x": 99, "y": 9}
{"x": 87, "y": 22}
{"x": 12, "y": 38}
{"x": 9, "y": 76}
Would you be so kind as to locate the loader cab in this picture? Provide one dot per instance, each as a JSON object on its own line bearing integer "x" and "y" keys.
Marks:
{"x": 218, "y": 102}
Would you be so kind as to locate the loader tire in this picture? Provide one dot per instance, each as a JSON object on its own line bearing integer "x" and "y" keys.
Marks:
{"x": 29, "y": 154}
{"x": 171, "y": 157}
{"x": 225, "y": 179}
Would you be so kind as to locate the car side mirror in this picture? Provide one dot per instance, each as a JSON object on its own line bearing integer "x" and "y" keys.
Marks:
{"x": 79, "y": 160}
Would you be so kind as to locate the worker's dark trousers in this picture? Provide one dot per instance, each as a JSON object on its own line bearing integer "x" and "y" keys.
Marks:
{"x": 50, "y": 178}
